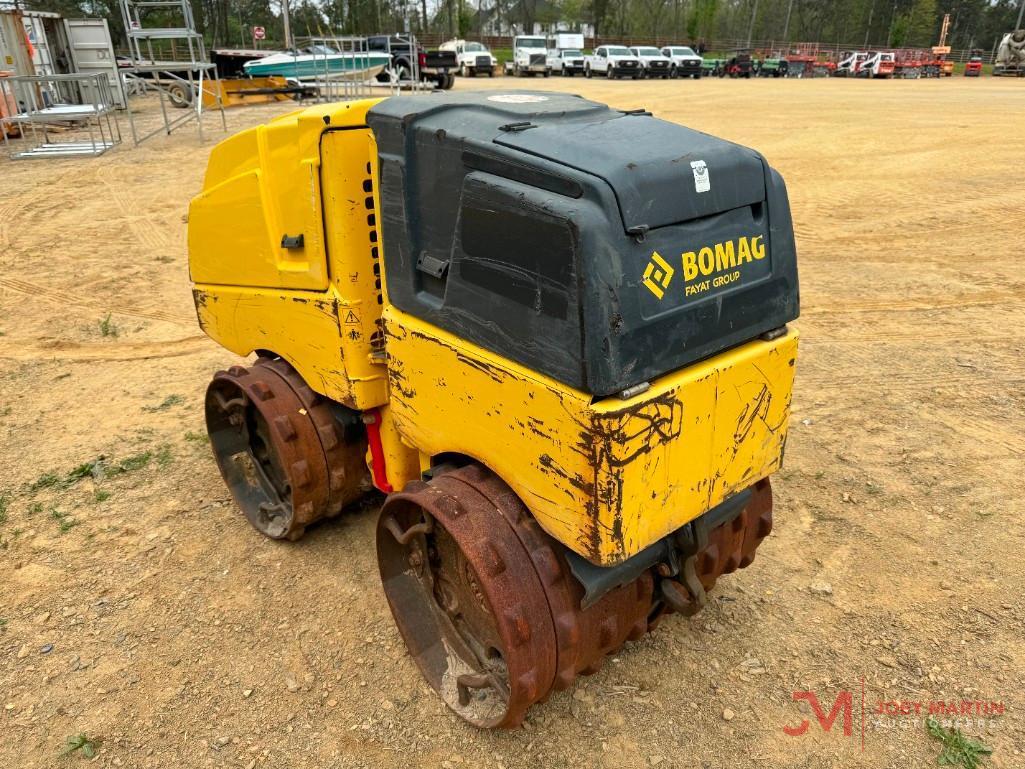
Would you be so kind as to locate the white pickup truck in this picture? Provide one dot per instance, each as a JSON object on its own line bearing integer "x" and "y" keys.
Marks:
{"x": 686, "y": 63}
{"x": 566, "y": 62}
{"x": 613, "y": 61}
{"x": 653, "y": 61}
{"x": 530, "y": 57}
{"x": 472, "y": 58}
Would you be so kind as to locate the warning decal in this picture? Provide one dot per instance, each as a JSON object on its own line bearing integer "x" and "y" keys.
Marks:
{"x": 701, "y": 181}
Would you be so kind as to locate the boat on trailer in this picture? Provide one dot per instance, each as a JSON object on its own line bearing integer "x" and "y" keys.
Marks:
{"x": 319, "y": 61}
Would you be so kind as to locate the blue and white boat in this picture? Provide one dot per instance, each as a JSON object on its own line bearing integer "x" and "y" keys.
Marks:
{"x": 320, "y": 61}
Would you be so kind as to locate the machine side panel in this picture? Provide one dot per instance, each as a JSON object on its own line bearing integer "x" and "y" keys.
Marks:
{"x": 260, "y": 189}
{"x": 607, "y": 478}
{"x": 259, "y": 220}
{"x": 695, "y": 439}
{"x": 321, "y": 314}
{"x": 303, "y": 328}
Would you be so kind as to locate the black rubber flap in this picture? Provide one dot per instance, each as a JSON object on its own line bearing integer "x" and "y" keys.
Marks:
{"x": 661, "y": 173}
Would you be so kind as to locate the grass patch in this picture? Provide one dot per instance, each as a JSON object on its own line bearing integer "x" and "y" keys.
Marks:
{"x": 6, "y": 412}
{"x": 168, "y": 402}
{"x": 108, "y": 327}
{"x": 101, "y": 495}
{"x": 4, "y": 501}
{"x": 45, "y": 481}
{"x": 164, "y": 456}
{"x": 91, "y": 469}
{"x": 35, "y": 507}
{"x": 131, "y": 464}
{"x": 64, "y": 521}
{"x": 97, "y": 469}
{"x": 958, "y": 749}
{"x": 80, "y": 743}
{"x": 197, "y": 437}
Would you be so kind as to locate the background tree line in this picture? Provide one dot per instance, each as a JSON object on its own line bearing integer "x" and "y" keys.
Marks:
{"x": 894, "y": 23}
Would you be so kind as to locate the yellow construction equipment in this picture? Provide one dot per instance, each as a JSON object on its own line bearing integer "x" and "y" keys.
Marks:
{"x": 553, "y": 333}
{"x": 246, "y": 91}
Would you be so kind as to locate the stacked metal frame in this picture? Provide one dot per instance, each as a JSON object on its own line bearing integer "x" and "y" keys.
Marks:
{"x": 60, "y": 115}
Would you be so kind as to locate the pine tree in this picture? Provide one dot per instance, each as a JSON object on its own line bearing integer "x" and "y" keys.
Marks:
{"x": 922, "y": 28}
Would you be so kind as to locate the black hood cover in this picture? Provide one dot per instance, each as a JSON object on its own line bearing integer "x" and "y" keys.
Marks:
{"x": 598, "y": 247}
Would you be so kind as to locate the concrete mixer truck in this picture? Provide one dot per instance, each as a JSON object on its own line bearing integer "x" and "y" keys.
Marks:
{"x": 1010, "y": 59}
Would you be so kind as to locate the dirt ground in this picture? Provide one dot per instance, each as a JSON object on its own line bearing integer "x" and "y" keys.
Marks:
{"x": 144, "y": 613}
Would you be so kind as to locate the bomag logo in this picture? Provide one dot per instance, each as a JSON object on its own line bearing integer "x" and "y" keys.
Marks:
{"x": 709, "y": 267}
{"x": 657, "y": 275}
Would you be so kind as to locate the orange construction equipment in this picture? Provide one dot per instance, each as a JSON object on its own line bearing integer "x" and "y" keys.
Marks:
{"x": 940, "y": 66}
{"x": 806, "y": 60}
{"x": 7, "y": 108}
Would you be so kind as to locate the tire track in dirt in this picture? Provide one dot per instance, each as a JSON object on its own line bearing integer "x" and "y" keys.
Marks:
{"x": 67, "y": 298}
{"x": 989, "y": 213}
{"x": 7, "y": 212}
{"x": 978, "y": 431}
{"x": 823, "y": 383}
{"x": 978, "y": 299}
{"x": 76, "y": 352}
{"x": 147, "y": 233}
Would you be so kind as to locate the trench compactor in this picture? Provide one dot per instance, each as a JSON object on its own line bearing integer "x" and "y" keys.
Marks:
{"x": 554, "y": 334}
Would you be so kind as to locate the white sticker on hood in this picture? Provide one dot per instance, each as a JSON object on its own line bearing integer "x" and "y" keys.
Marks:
{"x": 701, "y": 180}
{"x": 518, "y": 98}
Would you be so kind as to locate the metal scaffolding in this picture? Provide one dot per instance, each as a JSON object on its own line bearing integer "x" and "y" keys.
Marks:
{"x": 179, "y": 82}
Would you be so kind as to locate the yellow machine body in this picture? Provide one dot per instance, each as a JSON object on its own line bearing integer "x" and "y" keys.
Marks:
{"x": 605, "y": 477}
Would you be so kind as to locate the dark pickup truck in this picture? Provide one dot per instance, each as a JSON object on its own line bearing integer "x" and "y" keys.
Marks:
{"x": 408, "y": 56}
